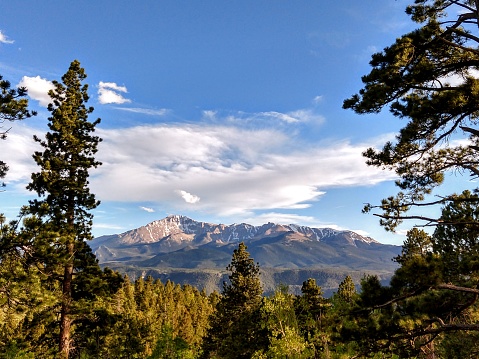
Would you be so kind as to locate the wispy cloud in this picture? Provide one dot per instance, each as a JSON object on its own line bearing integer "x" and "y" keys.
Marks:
{"x": 147, "y": 209}
{"x": 280, "y": 116}
{"x": 232, "y": 170}
{"x": 366, "y": 53}
{"x": 4, "y": 39}
{"x": 209, "y": 114}
{"x": 145, "y": 111}
{"x": 275, "y": 118}
{"x": 302, "y": 115}
{"x": 38, "y": 89}
{"x": 288, "y": 218}
{"x": 235, "y": 171}
{"x": 110, "y": 92}
{"x": 107, "y": 226}
{"x": 337, "y": 39}
{"x": 307, "y": 115}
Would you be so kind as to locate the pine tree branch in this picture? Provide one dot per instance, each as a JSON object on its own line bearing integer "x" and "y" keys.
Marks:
{"x": 457, "y": 288}
{"x": 430, "y": 221}
{"x": 395, "y": 300}
{"x": 442, "y": 328}
{"x": 464, "y": 48}
{"x": 423, "y": 289}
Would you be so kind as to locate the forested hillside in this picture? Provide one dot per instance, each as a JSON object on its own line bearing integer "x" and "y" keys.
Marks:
{"x": 57, "y": 302}
{"x": 186, "y": 251}
{"x": 150, "y": 319}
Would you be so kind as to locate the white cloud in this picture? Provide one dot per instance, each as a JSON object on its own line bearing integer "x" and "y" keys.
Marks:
{"x": 287, "y": 218}
{"x": 107, "y": 226}
{"x": 307, "y": 115}
{"x": 17, "y": 152}
{"x": 280, "y": 116}
{"x": 188, "y": 197}
{"x": 318, "y": 99}
{"x": 209, "y": 114}
{"x": 293, "y": 117}
{"x": 145, "y": 111}
{"x": 303, "y": 115}
{"x": 109, "y": 92}
{"x": 402, "y": 232}
{"x": 147, "y": 209}
{"x": 4, "y": 39}
{"x": 236, "y": 172}
{"x": 112, "y": 86}
{"x": 456, "y": 79}
{"x": 38, "y": 89}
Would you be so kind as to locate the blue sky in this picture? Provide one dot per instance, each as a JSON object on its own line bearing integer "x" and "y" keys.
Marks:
{"x": 224, "y": 111}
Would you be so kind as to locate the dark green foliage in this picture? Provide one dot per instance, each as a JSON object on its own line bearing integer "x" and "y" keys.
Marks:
{"x": 29, "y": 308}
{"x": 62, "y": 185}
{"x": 149, "y": 318}
{"x": 427, "y": 77}
{"x": 311, "y": 309}
{"x": 235, "y": 328}
{"x": 47, "y": 252}
{"x": 463, "y": 345}
{"x": 432, "y": 297}
{"x": 340, "y": 319}
{"x": 13, "y": 104}
{"x": 347, "y": 290}
{"x": 68, "y": 155}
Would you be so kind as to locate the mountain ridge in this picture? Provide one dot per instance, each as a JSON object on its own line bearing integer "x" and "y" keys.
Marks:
{"x": 184, "y": 249}
{"x": 182, "y": 228}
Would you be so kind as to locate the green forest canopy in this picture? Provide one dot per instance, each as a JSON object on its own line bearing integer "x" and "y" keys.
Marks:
{"x": 55, "y": 301}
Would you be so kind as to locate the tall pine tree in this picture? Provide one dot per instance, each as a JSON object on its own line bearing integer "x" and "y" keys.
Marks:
{"x": 427, "y": 77}
{"x": 235, "y": 328}
{"x": 62, "y": 186}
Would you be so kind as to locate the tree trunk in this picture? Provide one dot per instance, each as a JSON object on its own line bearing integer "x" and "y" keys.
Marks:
{"x": 65, "y": 320}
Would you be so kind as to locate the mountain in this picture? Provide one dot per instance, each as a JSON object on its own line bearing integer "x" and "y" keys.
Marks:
{"x": 181, "y": 248}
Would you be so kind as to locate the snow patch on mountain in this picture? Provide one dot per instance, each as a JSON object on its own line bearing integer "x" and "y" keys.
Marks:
{"x": 179, "y": 231}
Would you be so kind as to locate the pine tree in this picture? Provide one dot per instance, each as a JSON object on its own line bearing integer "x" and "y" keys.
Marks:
{"x": 340, "y": 317}
{"x": 21, "y": 293}
{"x": 432, "y": 299}
{"x": 347, "y": 290}
{"x": 62, "y": 186}
{"x": 235, "y": 328}
{"x": 282, "y": 324}
{"x": 428, "y": 78}
{"x": 311, "y": 308}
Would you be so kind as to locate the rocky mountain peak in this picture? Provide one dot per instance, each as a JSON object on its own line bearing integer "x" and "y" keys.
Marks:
{"x": 177, "y": 243}
{"x": 180, "y": 230}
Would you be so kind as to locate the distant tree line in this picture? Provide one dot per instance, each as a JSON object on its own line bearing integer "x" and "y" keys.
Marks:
{"x": 56, "y": 302}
